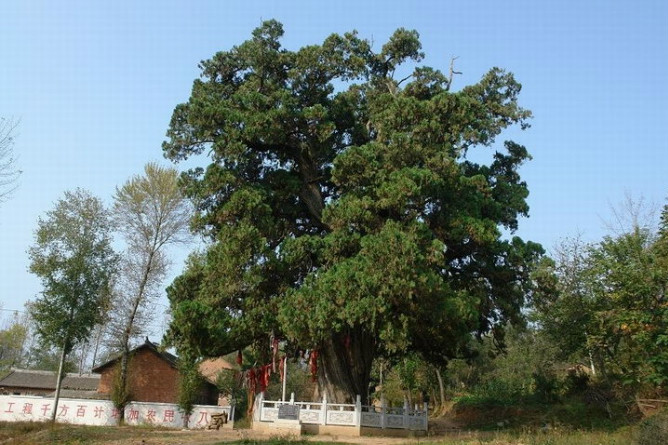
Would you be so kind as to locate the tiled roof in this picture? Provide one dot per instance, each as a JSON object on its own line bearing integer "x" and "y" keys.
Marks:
{"x": 24, "y": 378}
{"x": 80, "y": 394}
{"x": 169, "y": 358}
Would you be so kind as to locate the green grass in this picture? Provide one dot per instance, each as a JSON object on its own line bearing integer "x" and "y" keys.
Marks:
{"x": 569, "y": 413}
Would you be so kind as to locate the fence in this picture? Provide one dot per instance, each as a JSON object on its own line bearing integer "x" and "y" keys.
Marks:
{"x": 103, "y": 412}
{"x": 341, "y": 414}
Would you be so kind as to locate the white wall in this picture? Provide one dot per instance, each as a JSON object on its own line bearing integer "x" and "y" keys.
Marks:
{"x": 102, "y": 412}
{"x": 76, "y": 411}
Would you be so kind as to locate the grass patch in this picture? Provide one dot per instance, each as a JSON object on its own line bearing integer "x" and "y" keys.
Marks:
{"x": 555, "y": 437}
{"x": 9, "y": 430}
{"x": 39, "y": 433}
{"x": 528, "y": 413}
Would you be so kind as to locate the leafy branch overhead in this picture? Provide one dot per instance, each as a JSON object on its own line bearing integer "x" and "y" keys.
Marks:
{"x": 343, "y": 210}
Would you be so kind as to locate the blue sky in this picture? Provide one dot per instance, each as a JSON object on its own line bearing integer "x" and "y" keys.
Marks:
{"x": 94, "y": 85}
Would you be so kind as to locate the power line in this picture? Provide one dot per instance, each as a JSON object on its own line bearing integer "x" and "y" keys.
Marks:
{"x": 12, "y": 310}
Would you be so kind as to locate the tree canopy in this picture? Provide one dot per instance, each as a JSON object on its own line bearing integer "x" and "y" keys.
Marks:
{"x": 151, "y": 213}
{"x": 72, "y": 256}
{"x": 343, "y": 208}
{"x": 607, "y": 300}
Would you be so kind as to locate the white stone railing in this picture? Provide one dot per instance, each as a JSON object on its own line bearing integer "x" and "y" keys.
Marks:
{"x": 353, "y": 415}
{"x": 402, "y": 418}
{"x": 103, "y": 412}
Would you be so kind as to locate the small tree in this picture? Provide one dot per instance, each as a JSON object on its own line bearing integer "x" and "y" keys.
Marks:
{"x": 72, "y": 256}
{"x": 12, "y": 342}
{"x": 190, "y": 385}
{"x": 151, "y": 213}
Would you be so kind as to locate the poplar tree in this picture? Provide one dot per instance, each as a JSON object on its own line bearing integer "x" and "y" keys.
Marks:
{"x": 151, "y": 214}
{"x": 344, "y": 210}
{"x": 73, "y": 258}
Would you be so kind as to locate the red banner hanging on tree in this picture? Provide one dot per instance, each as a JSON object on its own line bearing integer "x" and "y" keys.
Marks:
{"x": 314, "y": 364}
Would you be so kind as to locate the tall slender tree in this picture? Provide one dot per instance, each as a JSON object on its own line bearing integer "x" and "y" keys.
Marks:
{"x": 151, "y": 213}
{"x": 73, "y": 257}
{"x": 344, "y": 212}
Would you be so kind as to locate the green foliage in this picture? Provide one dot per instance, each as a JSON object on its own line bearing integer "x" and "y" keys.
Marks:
{"x": 494, "y": 393}
{"x": 120, "y": 391}
{"x": 299, "y": 382}
{"x": 73, "y": 258}
{"x": 12, "y": 342}
{"x": 190, "y": 384}
{"x": 230, "y": 386}
{"x": 150, "y": 209}
{"x": 342, "y": 207}
{"x": 48, "y": 359}
{"x": 150, "y": 212}
{"x": 523, "y": 369}
{"x": 407, "y": 378}
{"x": 606, "y": 303}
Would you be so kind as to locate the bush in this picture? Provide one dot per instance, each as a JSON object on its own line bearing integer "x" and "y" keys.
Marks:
{"x": 493, "y": 393}
{"x": 546, "y": 386}
{"x": 577, "y": 381}
{"x": 120, "y": 394}
{"x": 653, "y": 430}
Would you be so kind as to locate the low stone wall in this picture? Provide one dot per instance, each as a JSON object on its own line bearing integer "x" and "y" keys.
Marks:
{"x": 103, "y": 412}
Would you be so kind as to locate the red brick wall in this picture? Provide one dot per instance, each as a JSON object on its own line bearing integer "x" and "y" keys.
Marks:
{"x": 106, "y": 379}
{"x": 150, "y": 378}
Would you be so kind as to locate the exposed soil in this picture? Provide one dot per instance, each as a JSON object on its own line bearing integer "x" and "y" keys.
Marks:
{"x": 442, "y": 427}
{"x": 28, "y": 434}
{"x": 214, "y": 437}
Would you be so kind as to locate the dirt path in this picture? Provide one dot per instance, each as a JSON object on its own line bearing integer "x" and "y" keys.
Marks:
{"x": 209, "y": 437}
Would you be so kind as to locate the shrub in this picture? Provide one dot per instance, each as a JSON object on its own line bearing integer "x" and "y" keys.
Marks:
{"x": 120, "y": 393}
{"x": 546, "y": 386}
{"x": 653, "y": 430}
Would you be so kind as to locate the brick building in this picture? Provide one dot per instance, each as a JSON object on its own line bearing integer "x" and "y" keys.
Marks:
{"x": 152, "y": 377}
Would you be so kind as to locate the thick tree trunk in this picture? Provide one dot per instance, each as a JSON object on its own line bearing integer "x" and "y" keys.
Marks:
{"x": 344, "y": 366}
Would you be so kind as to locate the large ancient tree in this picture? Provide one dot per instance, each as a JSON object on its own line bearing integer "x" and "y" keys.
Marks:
{"x": 343, "y": 212}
